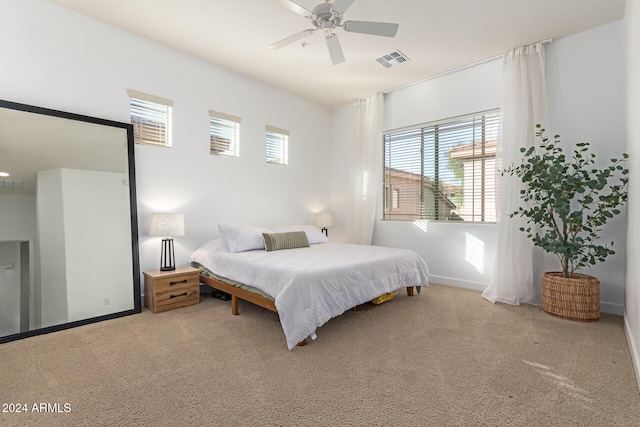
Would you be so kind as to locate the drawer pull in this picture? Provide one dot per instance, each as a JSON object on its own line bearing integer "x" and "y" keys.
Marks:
{"x": 177, "y": 296}
{"x": 176, "y": 283}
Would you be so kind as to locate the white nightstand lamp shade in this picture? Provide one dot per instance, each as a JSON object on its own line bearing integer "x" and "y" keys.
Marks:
{"x": 324, "y": 220}
{"x": 167, "y": 225}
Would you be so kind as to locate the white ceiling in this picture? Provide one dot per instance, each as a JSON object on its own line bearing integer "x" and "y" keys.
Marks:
{"x": 437, "y": 36}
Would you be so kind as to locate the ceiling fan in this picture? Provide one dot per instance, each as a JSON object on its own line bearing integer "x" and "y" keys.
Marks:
{"x": 326, "y": 17}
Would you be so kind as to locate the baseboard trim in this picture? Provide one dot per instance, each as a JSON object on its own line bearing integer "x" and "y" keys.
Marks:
{"x": 474, "y": 286}
{"x": 610, "y": 308}
{"x": 633, "y": 349}
{"x": 605, "y": 307}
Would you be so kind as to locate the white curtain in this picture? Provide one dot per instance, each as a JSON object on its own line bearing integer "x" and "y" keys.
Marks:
{"x": 367, "y": 164}
{"x": 524, "y": 105}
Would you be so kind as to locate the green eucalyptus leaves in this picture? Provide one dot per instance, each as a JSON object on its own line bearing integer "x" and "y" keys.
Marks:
{"x": 567, "y": 200}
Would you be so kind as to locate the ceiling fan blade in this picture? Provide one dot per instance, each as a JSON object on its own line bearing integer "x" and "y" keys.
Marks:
{"x": 335, "y": 50}
{"x": 375, "y": 28}
{"x": 295, "y": 6}
{"x": 341, "y": 6}
{"x": 291, "y": 39}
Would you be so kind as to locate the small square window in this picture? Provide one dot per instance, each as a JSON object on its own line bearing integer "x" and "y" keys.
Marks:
{"x": 277, "y": 146}
{"x": 224, "y": 131}
{"x": 151, "y": 119}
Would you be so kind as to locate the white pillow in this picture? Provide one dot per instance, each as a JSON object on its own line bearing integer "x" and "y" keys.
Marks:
{"x": 313, "y": 233}
{"x": 240, "y": 238}
{"x": 204, "y": 253}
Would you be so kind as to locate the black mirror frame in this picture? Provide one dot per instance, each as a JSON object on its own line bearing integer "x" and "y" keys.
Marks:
{"x": 137, "y": 301}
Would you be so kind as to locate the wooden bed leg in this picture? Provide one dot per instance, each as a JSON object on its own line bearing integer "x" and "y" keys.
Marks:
{"x": 410, "y": 291}
{"x": 234, "y": 305}
{"x": 301, "y": 343}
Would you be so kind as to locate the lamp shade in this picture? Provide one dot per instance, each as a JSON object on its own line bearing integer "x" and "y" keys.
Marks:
{"x": 167, "y": 224}
{"x": 324, "y": 219}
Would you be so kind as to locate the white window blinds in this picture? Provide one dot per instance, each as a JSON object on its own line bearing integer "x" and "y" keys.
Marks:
{"x": 277, "y": 145}
{"x": 442, "y": 171}
{"x": 151, "y": 119}
{"x": 224, "y": 131}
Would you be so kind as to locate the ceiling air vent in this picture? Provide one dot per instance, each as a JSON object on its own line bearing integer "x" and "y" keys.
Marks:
{"x": 392, "y": 59}
{"x": 10, "y": 184}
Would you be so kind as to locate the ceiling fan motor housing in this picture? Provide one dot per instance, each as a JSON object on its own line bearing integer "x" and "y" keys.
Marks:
{"x": 325, "y": 18}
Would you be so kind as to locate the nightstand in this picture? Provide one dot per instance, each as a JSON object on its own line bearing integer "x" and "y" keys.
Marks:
{"x": 166, "y": 290}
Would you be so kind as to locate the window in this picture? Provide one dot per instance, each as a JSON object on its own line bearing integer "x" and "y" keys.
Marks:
{"x": 151, "y": 119}
{"x": 224, "y": 131}
{"x": 391, "y": 197}
{"x": 442, "y": 171}
{"x": 277, "y": 146}
{"x": 395, "y": 198}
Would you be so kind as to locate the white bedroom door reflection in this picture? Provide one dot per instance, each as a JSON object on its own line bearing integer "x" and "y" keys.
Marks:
{"x": 16, "y": 313}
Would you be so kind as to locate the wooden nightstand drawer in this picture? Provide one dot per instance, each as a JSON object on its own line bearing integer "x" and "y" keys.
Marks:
{"x": 166, "y": 290}
{"x": 176, "y": 282}
{"x": 176, "y": 298}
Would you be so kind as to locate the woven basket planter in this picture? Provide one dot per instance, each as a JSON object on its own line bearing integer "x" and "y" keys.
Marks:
{"x": 575, "y": 298}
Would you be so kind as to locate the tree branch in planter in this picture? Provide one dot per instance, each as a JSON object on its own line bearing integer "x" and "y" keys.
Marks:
{"x": 568, "y": 200}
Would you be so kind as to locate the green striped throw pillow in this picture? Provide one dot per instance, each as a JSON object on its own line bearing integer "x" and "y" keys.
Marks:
{"x": 288, "y": 240}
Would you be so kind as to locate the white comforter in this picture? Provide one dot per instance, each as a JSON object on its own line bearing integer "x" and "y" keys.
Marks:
{"x": 311, "y": 285}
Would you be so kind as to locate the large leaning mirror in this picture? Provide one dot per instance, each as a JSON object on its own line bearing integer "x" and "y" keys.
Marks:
{"x": 68, "y": 227}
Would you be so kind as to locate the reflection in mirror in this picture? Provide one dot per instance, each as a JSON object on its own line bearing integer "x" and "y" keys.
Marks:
{"x": 68, "y": 229}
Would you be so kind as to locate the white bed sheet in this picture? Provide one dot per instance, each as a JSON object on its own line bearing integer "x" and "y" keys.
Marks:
{"x": 314, "y": 284}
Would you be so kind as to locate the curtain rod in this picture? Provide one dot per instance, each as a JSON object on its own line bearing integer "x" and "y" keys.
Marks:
{"x": 454, "y": 70}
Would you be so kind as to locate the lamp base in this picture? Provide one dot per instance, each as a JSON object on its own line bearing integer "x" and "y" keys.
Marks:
{"x": 167, "y": 257}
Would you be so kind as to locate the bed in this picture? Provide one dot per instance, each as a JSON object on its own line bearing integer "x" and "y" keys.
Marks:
{"x": 306, "y": 284}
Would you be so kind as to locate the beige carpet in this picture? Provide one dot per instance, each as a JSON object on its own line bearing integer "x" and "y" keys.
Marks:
{"x": 444, "y": 358}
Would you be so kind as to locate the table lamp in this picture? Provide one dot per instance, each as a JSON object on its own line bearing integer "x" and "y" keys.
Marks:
{"x": 167, "y": 225}
{"x": 323, "y": 221}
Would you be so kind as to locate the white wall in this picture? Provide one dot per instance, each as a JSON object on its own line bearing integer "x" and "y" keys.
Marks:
{"x": 586, "y": 103}
{"x": 65, "y": 61}
{"x": 457, "y": 254}
{"x": 94, "y": 222}
{"x": 469, "y": 90}
{"x": 586, "y": 96}
{"x": 52, "y": 292}
{"x": 18, "y": 213}
{"x": 83, "y": 216}
{"x": 632, "y": 288}
{"x": 343, "y": 173}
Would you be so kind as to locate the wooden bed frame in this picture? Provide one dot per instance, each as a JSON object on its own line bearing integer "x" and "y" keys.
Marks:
{"x": 238, "y": 293}
{"x": 242, "y": 294}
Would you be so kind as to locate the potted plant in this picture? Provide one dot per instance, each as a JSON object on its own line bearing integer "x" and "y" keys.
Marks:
{"x": 567, "y": 201}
